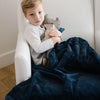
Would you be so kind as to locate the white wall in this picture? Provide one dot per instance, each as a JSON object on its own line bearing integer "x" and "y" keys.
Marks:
{"x": 8, "y": 31}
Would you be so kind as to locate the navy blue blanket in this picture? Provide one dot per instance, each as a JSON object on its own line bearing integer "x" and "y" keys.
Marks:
{"x": 73, "y": 74}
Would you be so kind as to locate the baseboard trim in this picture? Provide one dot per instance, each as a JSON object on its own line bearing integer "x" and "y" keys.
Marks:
{"x": 7, "y": 58}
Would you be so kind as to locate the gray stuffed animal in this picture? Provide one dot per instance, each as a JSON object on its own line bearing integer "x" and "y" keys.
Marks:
{"x": 49, "y": 24}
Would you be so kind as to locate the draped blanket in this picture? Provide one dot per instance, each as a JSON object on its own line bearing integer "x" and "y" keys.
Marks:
{"x": 73, "y": 74}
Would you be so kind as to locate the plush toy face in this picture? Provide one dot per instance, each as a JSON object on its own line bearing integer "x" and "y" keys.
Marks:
{"x": 56, "y": 21}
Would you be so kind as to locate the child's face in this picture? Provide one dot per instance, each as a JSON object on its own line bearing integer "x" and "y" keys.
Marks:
{"x": 35, "y": 15}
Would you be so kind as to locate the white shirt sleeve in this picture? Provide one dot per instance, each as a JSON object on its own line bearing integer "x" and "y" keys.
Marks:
{"x": 33, "y": 38}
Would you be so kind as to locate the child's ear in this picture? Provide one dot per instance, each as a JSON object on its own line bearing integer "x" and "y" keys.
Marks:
{"x": 25, "y": 16}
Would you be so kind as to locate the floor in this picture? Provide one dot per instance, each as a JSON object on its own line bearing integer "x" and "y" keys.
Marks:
{"x": 7, "y": 80}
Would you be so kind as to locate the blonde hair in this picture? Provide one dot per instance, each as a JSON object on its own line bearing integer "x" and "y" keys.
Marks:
{"x": 26, "y": 4}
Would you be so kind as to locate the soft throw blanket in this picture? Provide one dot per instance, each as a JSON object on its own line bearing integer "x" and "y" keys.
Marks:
{"x": 73, "y": 74}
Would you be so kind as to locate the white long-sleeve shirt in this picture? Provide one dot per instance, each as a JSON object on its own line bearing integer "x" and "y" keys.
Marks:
{"x": 38, "y": 47}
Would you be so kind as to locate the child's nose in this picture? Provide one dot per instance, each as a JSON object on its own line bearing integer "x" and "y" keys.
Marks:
{"x": 36, "y": 17}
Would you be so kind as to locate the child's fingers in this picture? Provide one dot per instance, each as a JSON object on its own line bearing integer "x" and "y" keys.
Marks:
{"x": 55, "y": 33}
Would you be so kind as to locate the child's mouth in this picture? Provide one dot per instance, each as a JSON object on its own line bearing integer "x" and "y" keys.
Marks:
{"x": 38, "y": 21}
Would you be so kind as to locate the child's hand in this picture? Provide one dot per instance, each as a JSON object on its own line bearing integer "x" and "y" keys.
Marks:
{"x": 56, "y": 40}
{"x": 55, "y": 33}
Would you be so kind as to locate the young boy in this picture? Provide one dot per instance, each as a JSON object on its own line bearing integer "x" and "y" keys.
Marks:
{"x": 33, "y": 11}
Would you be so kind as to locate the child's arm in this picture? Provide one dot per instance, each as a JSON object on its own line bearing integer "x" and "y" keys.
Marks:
{"x": 33, "y": 38}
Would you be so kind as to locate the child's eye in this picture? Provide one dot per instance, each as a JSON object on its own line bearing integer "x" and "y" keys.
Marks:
{"x": 40, "y": 12}
{"x": 32, "y": 14}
